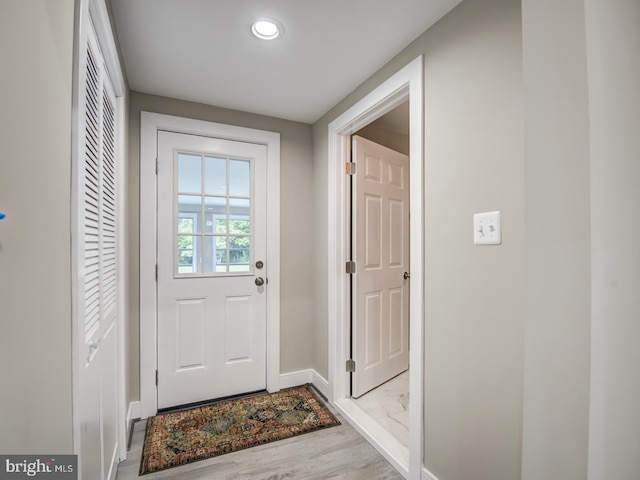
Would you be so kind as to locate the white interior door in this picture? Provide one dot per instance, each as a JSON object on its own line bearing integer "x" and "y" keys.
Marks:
{"x": 211, "y": 268}
{"x": 380, "y": 239}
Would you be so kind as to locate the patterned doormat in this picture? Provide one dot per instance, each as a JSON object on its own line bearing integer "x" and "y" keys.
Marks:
{"x": 183, "y": 437}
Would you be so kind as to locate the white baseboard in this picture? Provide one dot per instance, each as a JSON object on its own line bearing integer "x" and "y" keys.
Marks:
{"x": 293, "y": 379}
{"x": 134, "y": 412}
{"x": 427, "y": 475}
{"x": 320, "y": 383}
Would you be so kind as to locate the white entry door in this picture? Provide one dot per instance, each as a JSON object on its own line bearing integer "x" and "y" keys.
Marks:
{"x": 211, "y": 268}
{"x": 380, "y": 239}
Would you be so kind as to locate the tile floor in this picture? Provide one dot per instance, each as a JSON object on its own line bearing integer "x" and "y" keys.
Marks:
{"x": 389, "y": 406}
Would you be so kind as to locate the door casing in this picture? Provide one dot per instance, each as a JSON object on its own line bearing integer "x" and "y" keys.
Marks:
{"x": 150, "y": 124}
{"x": 406, "y": 83}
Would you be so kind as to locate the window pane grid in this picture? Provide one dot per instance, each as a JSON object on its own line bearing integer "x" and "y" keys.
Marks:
{"x": 214, "y": 228}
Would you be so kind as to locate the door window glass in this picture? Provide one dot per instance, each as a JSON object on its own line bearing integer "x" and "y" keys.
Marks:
{"x": 189, "y": 174}
{"x": 239, "y": 178}
{"x": 187, "y": 243}
{"x": 215, "y": 175}
{"x": 214, "y": 215}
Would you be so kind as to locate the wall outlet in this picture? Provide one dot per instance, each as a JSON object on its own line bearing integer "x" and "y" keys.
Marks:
{"x": 486, "y": 229}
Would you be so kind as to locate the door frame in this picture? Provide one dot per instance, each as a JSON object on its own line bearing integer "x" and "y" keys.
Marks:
{"x": 407, "y": 83}
{"x": 150, "y": 124}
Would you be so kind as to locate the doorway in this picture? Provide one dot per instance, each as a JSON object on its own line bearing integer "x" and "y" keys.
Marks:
{"x": 223, "y": 245}
{"x": 380, "y": 285}
{"x": 405, "y": 85}
{"x": 379, "y": 207}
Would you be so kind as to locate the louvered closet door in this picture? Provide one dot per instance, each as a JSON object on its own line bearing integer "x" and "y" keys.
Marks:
{"x": 98, "y": 202}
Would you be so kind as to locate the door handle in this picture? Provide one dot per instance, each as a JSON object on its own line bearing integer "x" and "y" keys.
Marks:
{"x": 93, "y": 348}
{"x": 406, "y": 275}
{"x": 259, "y": 281}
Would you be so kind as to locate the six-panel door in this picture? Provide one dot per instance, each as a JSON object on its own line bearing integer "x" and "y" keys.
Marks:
{"x": 380, "y": 302}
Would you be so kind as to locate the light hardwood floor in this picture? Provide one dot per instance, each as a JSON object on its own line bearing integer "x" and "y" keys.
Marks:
{"x": 336, "y": 453}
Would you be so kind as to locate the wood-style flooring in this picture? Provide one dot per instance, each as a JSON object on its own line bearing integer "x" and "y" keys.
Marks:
{"x": 336, "y": 453}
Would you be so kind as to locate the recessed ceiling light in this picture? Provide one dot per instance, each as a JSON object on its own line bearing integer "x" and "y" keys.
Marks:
{"x": 267, "y": 29}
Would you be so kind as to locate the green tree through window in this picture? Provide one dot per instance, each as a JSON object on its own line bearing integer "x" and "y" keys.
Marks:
{"x": 185, "y": 245}
{"x": 239, "y": 231}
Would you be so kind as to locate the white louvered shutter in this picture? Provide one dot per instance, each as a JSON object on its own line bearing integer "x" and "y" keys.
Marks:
{"x": 108, "y": 205}
{"x": 99, "y": 199}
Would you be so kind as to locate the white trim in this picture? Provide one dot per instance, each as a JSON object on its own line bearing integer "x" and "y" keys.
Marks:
{"x": 150, "y": 123}
{"x": 88, "y": 13}
{"x": 102, "y": 25}
{"x": 293, "y": 379}
{"x": 427, "y": 475}
{"x": 80, "y": 42}
{"x": 134, "y": 412}
{"x": 320, "y": 383}
{"x": 122, "y": 285}
{"x": 406, "y": 83}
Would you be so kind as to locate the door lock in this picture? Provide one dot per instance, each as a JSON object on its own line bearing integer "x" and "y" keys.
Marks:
{"x": 259, "y": 264}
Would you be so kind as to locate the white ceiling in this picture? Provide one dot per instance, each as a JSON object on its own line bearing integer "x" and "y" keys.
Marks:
{"x": 202, "y": 50}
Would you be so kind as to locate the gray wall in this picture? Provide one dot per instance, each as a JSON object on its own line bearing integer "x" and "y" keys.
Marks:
{"x": 534, "y": 113}
{"x": 296, "y": 225}
{"x": 613, "y": 38}
{"x": 36, "y": 47}
{"x": 395, "y": 141}
{"x": 582, "y": 141}
{"x": 557, "y": 307}
{"x": 473, "y": 295}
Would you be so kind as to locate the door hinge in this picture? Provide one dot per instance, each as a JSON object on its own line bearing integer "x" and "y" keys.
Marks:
{"x": 351, "y": 366}
{"x": 156, "y": 378}
{"x": 350, "y": 168}
{"x": 351, "y": 267}
{"x": 156, "y": 272}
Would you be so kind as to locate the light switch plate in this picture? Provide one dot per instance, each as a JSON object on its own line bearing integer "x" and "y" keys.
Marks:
{"x": 486, "y": 229}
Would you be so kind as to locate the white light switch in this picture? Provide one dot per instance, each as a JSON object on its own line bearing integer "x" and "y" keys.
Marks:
{"x": 486, "y": 229}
